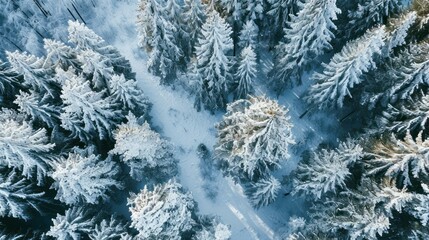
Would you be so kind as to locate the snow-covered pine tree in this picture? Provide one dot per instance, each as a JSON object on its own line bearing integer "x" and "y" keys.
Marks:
{"x": 17, "y": 195}
{"x": 75, "y": 224}
{"x": 128, "y": 95}
{"x": 96, "y": 68}
{"x": 308, "y": 36}
{"x": 32, "y": 105}
{"x": 345, "y": 69}
{"x": 254, "y": 136}
{"x": 403, "y": 161}
{"x": 60, "y": 55}
{"x": 264, "y": 191}
{"x": 246, "y": 73}
{"x": 213, "y": 63}
{"x": 164, "y": 213}
{"x": 86, "y": 39}
{"x": 397, "y": 36}
{"x": 280, "y": 12}
{"x": 109, "y": 229}
{"x": 85, "y": 179}
{"x": 143, "y": 150}
{"x": 23, "y": 148}
{"x": 408, "y": 116}
{"x": 248, "y": 35}
{"x": 174, "y": 14}
{"x": 36, "y": 75}
{"x": 255, "y": 9}
{"x": 86, "y": 114}
{"x": 157, "y": 35}
{"x": 368, "y": 14}
{"x": 326, "y": 171}
{"x": 194, "y": 16}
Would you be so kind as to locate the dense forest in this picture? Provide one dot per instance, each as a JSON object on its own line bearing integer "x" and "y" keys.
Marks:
{"x": 316, "y": 110}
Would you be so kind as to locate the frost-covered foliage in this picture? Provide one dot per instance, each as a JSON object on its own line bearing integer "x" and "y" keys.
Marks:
{"x": 110, "y": 229}
{"x": 164, "y": 213}
{"x": 157, "y": 34}
{"x": 401, "y": 160}
{"x": 215, "y": 231}
{"x": 213, "y": 63}
{"x": 327, "y": 170}
{"x": 24, "y": 148}
{"x": 246, "y": 73}
{"x": 254, "y": 136}
{"x": 36, "y": 75}
{"x": 264, "y": 191}
{"x": 345, "y": 70}
{"x": 17, "y": 196}
{"x": 74, "y": 224}
{"x": 308, "y": 36}
{"x": 86, "y": 113}
{"x": 248, "y": 35}
{"x": 60, "y": 55}
{"x": 409, "y": 116}
{"x": 9, "y": 81}
{"x": 126, "y": 93}
{"x": 194, "y": 16}
{"x": 142, "y": 149}
{"x": 279, "y": 13}
{"x": 401, "y": 27}
{"x": 34, "y": 106}
{"x": 370, "y": 13}
{"x": 84, "y": 178}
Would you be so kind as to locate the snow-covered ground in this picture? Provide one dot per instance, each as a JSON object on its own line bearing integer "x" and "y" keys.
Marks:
{"x": 175, "y": 118}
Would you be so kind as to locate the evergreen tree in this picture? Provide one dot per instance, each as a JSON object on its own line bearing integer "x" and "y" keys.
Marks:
{"x": 60, "y": 55}
{"x": 84, "y": 178}
{"x": 279, "y": 11}
{"x": 86, "y": 114}
{"x": 254, "y": 136}
{"x": 75, "y": 224}
{"x": 165, "y": 212}
{"x": 96, "y": 68}
{"x": 246, "y": 73}
{"x": 17, "y": 196}
{"x": 248, "y": 35}
{"x": 86, "y": 39}
{"x": 345, "y": 70}
{"x": 327, "y": 170}
{"x": 397, "y": 36}
{"x": 264, "y": 191}
{"x": 309, "y": 36}
{"x": 157, "y": 34}
{"x": 36, "y": 75}
{"x": 32, "y": 105}
{"x": 194, "y": 16}
{"x": 213, "y": 63}
{"x": 110, "y": 229}
{"x": 25, "y": 149}
{"x": 143, "y": 150}
{"x": 126, "y": 93}
{"x": 9, "y": 82}
{"x": 370, "y": 13}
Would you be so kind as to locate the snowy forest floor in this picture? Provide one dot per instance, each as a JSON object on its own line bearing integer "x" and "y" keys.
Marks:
{"x": 174, "y": 116}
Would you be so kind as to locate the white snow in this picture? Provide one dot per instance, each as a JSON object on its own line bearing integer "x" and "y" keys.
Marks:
{"x": 174, "y": 116}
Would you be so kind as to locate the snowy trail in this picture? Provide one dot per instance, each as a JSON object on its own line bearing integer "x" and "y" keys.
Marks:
{"x": 174, "y": 116}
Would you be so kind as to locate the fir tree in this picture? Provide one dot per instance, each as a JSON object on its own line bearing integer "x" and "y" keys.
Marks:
{"x": 254, "y": 136}
{"x": 84, "y": 178}
{"x": 246, "y": 73}
{"x": 345, "y": 70}
{"x": 75, "y": 224}
{"x": 264, "y": 191}
{"x": 32, "y": 105}
{"x": 18, "y": 196}
{"x": 142, "y": 149}
{"x": 165, "y": 212}
{"x": 248, "y": 35}
{"x": 194, "y": 16}
{"x": 60, "y": 55}
{"x": 213, "y": 63}
{"x": 309, "y": 36}
{"x": 86, "y": 113}
{"x": 24, "y": 148}
{"x": 109, "y": 229}
{"x": 126, "y": 93}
